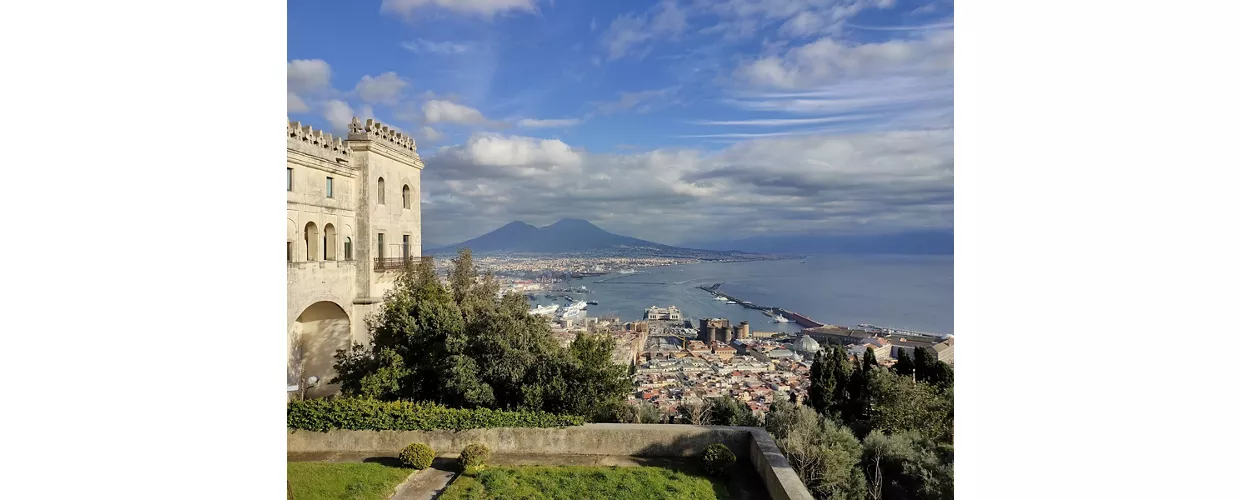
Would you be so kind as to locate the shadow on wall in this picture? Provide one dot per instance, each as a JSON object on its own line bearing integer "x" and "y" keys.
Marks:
{"x": 320, "y": 330}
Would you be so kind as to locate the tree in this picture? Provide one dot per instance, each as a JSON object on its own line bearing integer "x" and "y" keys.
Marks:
{"x": 821, "y": 385}
{"x": 695, "y": 413}
{"x": 469, "y": 347}
{"x": 633, "y": 367}
{"x": 904, "y": 365}
{"x": 902, "y": 405}
{"x": 870, "y": 359}
{"x": 730, "y": 411}
{"x": 825, "y": 455}
{"x": 907, "y": 466}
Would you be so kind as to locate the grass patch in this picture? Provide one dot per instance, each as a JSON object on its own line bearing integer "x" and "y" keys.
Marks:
{"x": 337, "y": 481}
{"x": 583, "y": 483}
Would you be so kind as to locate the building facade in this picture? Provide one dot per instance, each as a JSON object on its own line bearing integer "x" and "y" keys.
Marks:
{"x": 354, "y": 219}
{"x": 670, "y": 313}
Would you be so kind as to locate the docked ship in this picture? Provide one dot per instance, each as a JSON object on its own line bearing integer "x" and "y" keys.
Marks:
{"x": 579, "y": 305}
{"x": 546, "y": 310}
{"x": 779, "y": 318}
{"x": 627, "y": 271}
{"x": 720, "y": 298}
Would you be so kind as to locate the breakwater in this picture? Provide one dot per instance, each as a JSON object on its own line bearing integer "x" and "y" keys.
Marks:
{"x": 797, "y": 318}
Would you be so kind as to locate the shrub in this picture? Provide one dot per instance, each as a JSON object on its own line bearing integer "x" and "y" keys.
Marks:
{"x": 718, "y": 459}
{"x": 417, "y": 455}
{"x": 360, "y": 414}
{"x": 474, "y": 455}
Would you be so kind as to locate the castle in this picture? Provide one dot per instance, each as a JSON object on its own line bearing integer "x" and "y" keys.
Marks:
{"x": 354, "y": 220}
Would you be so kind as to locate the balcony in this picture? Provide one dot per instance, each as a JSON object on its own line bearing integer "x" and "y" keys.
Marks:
{"x": 395, "y": 263}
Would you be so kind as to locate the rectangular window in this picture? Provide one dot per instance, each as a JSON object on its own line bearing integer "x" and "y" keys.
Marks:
{"x": 289, "y": 250}
{"x": 288, "y": 177}
{"x": 329, "y": 187}
{"x": 380, "y": 245}
{"x": 404, "y": 246}
{"x": 348, "y": 249}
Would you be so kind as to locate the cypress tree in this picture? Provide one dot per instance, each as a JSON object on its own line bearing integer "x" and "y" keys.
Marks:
{"x": 904, "y": 365}
{"x": 870, "y": 359}
{"x": 821, "y": 385}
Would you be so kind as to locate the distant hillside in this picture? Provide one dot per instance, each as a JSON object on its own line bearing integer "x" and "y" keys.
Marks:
{"x": 563, "y": 237}
{"x": 909, "y": 243}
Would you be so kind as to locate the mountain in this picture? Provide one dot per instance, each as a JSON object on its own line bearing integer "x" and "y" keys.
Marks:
{"x": 907, "y": 243}
{"x": 565, "y": 236}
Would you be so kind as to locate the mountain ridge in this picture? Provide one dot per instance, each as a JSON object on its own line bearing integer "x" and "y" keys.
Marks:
{"x": 566, "y": 235}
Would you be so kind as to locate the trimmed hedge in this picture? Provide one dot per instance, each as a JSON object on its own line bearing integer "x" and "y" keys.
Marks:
{"x": 474, "y": 455}
{"x": 371, "y": 415}
{"x": 718, "y": 459}
{"x": 417, "y": 455}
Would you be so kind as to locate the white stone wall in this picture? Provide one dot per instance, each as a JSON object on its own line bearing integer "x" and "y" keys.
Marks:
{"x": 355, "y": 164}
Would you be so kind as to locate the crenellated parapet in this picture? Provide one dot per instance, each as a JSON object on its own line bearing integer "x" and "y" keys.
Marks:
{"x": 317, "y": 140}
{"x": 372, "y": 130}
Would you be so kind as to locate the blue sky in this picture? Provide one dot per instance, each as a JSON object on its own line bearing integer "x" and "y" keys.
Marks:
{"x": 658, "y": 119}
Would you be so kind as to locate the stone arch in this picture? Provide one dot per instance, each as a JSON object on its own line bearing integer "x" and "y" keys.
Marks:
{"x": 329, "y": 242}
{"x": 312, "y": 241}
{"x": 316, "y": 334}
{"x": 406, "y": 196}
{"x": 380, "y": 193}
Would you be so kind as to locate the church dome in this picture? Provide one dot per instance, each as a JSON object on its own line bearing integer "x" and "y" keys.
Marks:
{"x": 806, "y": 344}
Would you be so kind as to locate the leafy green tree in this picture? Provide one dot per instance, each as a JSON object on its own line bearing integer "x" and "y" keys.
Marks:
{"x": 908, "y": 466}
{"x": 902, "y": 405}
{"x": 931, "y": 370}
{"x": 466, "y": 346}
{"x": 825, "y": 455}
{"x": 730, "y": 411}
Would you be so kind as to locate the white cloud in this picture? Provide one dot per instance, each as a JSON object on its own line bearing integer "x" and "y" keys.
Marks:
{"x": 486, "y": 8}
{"x": 441, "y": 48}
{"x": 828, "y": 61}
{"x": 489, "y": 150}
{"x": 878, "y": 182}
{"x": 383, "y": 89}
{"x": 560, "y": 122}
{"x": 639, "y": 101}
{"x": 296, "y": 105}
{"x": 338, "y": 114}
{"x": 309, "y": 75}
{"x": 782, "y": 122}
{"x": 439, "y": 111}
{"x": 430, "y": 134}
{"x": 629, "y": 31}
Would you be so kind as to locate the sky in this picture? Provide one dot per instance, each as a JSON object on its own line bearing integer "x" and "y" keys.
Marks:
{"x": 669, "y": 120}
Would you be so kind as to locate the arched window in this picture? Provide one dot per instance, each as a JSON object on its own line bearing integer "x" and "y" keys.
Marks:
{"x": 289, "y": 251}
{"x": 312, "y": 241}
{"x": 348, "y": 248}
{"x": 382, "y": 198}
{"x": 329, "y": 242}
{"x": 404, "y": 195}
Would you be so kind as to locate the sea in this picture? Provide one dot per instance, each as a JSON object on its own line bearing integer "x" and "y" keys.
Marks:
{"x": 911, "y": 292}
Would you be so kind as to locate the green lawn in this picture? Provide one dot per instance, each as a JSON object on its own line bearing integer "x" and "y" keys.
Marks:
{"x": 341, "y": 481}
{"x": 582, "y": 483}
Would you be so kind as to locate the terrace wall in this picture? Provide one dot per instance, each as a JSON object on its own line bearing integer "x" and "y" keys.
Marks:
{"x": 750, "y": 444}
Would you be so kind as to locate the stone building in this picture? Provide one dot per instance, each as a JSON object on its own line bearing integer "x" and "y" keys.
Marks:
{"x": 354, "y": 219}
{"x": 670, "y": 313}
{"x": 714, "y": 329}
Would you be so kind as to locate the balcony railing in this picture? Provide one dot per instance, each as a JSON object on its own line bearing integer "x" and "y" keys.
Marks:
{"x": 395, "y": 263}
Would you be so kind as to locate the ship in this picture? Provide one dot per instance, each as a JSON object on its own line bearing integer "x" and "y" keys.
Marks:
{"x": 720, "y": 298}
{"x": 627, "y": 271}
{"x": 731, "y": 301}
{"x": 592, "y": 303}
{"x": 575, "y": 306}
{"x": 546, "y": 310}
{"x": 779, "y": 318}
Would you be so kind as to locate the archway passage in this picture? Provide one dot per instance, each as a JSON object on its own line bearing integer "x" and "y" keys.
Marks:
{"x": 320, "y": 330}
{"x": 312, "y": 241}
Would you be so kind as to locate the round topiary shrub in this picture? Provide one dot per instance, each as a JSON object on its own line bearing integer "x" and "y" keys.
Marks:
{"x": 474, "y": 455}
{"x": 417, "y": 455}
{"x": 718, "y": 459}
